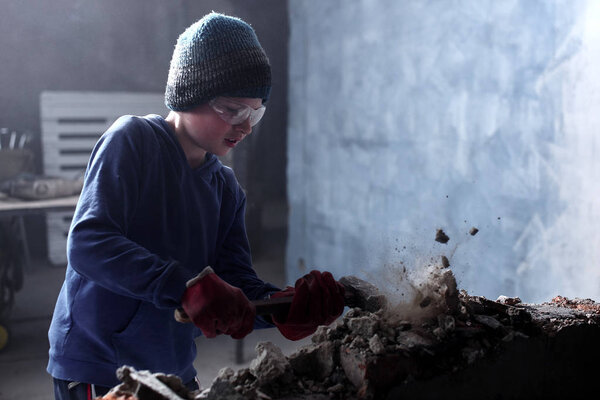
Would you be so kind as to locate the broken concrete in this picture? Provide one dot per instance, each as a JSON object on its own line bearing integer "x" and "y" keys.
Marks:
{"x": 224, "y": 386}
{"x": 445, "y": 262}
{"x": 441, "y": 343}
{"x": 362, "y": 326}
{"x": 270, "y": 364}
{"x": 316, "y": 361}
{"x": 477, "y": 348}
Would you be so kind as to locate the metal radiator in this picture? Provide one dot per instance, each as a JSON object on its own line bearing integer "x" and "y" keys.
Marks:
{"x": 71, "y": 124}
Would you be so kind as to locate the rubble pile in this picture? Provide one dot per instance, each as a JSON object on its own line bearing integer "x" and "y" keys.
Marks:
{"x": 419, "y": 337}
{"x": 461, "y": 344}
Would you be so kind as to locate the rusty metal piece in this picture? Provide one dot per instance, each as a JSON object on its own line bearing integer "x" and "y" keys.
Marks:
{"x": 586, "y": 305}
{"x": 148, "y": 386}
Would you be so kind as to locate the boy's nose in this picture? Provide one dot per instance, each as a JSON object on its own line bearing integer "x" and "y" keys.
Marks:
{"x": 245, "y": 127}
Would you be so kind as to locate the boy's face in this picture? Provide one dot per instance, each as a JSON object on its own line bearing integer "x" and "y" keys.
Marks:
{"x": 204, "y": 130}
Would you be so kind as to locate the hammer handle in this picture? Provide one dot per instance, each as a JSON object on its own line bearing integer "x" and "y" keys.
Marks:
{"x": 272, "y": 306}
{"x": 263, "y": 307}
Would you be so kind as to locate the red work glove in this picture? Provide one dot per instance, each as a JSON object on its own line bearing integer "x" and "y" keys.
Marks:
{"x": 318, "y": 300}
{"x": 216, "y": 307}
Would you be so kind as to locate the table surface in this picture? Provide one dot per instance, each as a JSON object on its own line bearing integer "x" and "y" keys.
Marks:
{"x": 13, "y": 206}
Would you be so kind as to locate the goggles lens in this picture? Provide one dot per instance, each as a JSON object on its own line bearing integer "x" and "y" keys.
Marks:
{"x": 234, "y": 113}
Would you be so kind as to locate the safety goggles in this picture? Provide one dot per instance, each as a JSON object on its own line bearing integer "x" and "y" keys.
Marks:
{"x": 234, "y": 113}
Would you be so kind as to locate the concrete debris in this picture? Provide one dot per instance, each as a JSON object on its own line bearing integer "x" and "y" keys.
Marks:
{"x": 445, "y": 262}
{"x": 262, "y": 395}
{"x": 270, "y": 364}
{"x": 362, "y": 294}
{"x": 437, "y": 294}
{"x": 440, "y": 236}
{"x": 337, "y": 388}
{"x": 488, "y": 321}
{"x": 225, "y": 387}
{"x": 362, "y": 326}
{"x": 509, "y": 301}
{"x": 376, "y": 345}
{"x": 485, "y": 349}
{"x": 446, "y": 322}
{"x": 444, "y": 343}
{"x": 315, "y": 361}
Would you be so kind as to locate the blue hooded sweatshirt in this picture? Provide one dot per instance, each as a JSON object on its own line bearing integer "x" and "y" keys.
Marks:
{"x": 145, "y": 224}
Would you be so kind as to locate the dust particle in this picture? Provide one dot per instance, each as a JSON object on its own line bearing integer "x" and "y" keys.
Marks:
{"x": 473, "y": 231}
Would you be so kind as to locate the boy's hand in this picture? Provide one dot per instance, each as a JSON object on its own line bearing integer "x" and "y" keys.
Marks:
{"x": 318, "y": 300}
{"x": 216, "y": 307}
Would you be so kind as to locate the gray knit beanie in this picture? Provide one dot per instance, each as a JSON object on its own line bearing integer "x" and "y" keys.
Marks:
{"x": 217, "y": 56}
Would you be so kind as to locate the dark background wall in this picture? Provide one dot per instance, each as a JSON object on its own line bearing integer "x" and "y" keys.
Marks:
{"x": 115, "y": 45}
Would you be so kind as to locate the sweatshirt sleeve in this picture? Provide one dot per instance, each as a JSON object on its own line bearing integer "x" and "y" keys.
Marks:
{"x": 97, "y": 246}
{"x": 234, "y": 264}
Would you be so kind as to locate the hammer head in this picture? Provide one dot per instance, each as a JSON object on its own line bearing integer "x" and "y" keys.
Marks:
{"x": 362, "y": 294}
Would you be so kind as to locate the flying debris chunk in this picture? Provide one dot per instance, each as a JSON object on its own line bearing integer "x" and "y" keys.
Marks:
{"x": 445, "y": 262}
{"x": 440, "y": 236}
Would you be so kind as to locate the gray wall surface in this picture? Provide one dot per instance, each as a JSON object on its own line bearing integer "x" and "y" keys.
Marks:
{"x": 411, "y": 116}
{"x": 115, "y": 45}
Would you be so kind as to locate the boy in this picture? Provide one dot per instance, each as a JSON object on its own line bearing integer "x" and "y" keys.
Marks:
{"x": 156, "y": 209}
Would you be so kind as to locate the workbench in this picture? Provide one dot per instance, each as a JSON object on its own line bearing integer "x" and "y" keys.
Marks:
{"x": 10, "y": 206}
{"x": 15, "y": 209}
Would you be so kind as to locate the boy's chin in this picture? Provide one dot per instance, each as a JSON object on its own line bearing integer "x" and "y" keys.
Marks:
{"x": 222, "y": 153}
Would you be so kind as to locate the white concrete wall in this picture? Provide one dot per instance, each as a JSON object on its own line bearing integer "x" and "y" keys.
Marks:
{"x": 409, "y": 116}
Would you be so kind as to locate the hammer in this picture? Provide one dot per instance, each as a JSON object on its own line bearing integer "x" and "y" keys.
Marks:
{"x": 357, "y": 293}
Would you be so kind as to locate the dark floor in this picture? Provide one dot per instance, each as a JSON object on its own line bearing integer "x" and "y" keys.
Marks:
{"x": 23, "y": 362}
